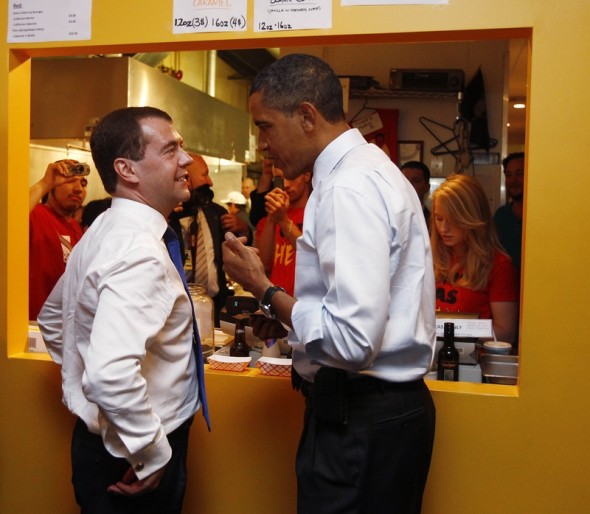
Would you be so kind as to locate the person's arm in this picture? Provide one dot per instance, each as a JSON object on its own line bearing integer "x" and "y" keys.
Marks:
{"x": 55, "y": 175}
{"x": 51, "y": 322}
{"x": 258, "y": 196}
{"x": 243, "y": 263}
{"x": 265, "y": 242}
{"x": 503, "y": 297}
{"x": 113, "y": 364}
{"x": 277, "y": 206}
{"x": 265, "y": 182}
{"x": 504, "y": 320}
{"x": 237, "y": 226}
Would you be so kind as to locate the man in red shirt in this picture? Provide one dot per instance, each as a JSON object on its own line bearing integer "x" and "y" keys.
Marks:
{"x": 278, "y": 231}
{"x": 53, "y": 230}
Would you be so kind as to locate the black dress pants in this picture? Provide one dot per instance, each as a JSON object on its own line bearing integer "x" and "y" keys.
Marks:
{"x": 94, "y": 469}
{"x": 377, "y": 461}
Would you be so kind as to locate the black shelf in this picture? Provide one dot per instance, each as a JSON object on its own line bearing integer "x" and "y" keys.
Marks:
{"x": 389, "y": 93}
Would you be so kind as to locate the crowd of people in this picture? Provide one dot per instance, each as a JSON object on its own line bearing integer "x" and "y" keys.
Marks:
{"x": 357, "y": 304}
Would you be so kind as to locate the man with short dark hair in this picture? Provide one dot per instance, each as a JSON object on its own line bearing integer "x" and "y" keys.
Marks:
{"x": 120, "y": 323}
{"x": 362, "y": 320}
{"x": 419, "y": 176}
{"x": 53, "y": 229}
{"x": 200, "y": 225}
{"x": 508, "y": 217}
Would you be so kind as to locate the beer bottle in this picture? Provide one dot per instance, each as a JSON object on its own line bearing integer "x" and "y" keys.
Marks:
{"x": 240, "y": 348}
{"x": 448, "y": 356}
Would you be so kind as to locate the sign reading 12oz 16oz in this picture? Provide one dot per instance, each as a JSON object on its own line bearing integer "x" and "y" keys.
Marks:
{"x": 276, "y": 15}
{"x": 209, "y": 16}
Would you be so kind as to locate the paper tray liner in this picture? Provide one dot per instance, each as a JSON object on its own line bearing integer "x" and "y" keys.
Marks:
{"x": 275, "y": 367}
{"x": 227, "y": 363}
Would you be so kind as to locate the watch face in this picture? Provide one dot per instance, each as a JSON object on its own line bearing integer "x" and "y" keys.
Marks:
{"x": 267, "y": 311}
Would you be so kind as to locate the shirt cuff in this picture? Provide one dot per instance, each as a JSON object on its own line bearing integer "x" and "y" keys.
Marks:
{"x": 152, "y": 458}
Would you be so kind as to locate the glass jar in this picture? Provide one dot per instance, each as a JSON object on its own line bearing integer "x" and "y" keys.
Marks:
{"x": 204, "y": 311}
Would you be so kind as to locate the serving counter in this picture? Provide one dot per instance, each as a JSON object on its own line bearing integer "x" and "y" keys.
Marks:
{"x": 246, "y": 463}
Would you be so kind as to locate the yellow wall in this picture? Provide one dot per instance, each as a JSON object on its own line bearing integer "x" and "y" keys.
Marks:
{"x": 516, "y": 454}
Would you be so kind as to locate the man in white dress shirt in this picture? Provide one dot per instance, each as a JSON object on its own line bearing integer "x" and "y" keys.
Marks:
{"x": 120, "y": 324}
{"x": 362, "y": 322}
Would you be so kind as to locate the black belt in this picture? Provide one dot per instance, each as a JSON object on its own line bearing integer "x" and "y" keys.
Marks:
{"x": 366, "y": 385}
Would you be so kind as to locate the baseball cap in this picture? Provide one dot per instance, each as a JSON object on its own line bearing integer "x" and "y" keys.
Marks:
{"x": 236, "y": 198}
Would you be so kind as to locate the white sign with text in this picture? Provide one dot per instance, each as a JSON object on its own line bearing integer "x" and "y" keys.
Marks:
{"x": 209, "y": 16}
{"x": 466, "y": 327}
{"x": 277, "y": 15}
{"x": 49, "y": 20}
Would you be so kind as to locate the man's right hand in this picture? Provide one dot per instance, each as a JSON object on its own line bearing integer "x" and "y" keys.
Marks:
{"x": 129, "y": 485}
{"x": 266, "y": 328}
{"x": 56, "y": 174}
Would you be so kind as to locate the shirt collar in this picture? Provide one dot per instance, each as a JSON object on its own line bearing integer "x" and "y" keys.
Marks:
{"x": 333, "y": 154}
{"x": 144, "y": 216}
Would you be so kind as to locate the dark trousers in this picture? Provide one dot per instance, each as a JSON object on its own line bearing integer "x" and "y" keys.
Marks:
{"x": 94, "y": 469}
{"x": 376, "y": 461}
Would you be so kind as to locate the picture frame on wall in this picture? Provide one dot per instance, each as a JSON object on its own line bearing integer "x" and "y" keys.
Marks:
{"x": 410, "y": 151}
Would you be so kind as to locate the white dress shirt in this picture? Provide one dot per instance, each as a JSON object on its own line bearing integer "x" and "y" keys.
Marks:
{"x": 364, "y": 279}
{"x": 120, "y": 324}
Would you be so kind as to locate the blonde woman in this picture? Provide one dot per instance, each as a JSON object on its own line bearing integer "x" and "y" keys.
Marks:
{"x": 472, "y": 271}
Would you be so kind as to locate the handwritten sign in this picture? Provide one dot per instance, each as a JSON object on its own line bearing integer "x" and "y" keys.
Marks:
{"x": 43, "y": 20}
{"x": 192, "y": 16}
{"x": 277, "y": 15}
{"x": 369, "y": 124}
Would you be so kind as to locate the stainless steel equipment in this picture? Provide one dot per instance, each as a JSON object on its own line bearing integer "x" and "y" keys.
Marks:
{"x": 67, "y": 93}
{"x": 499, "y": 369}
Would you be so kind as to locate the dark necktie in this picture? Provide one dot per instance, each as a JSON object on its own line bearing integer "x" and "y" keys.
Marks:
{"x": 173, "y": 246}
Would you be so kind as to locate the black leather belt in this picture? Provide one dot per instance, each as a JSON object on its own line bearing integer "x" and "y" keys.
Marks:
{"x": 367, "y": 385}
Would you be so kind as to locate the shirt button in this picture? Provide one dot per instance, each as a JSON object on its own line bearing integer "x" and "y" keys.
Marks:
{"x": 138, "y": 466}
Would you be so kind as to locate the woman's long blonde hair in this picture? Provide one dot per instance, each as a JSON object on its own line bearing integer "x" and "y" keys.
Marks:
{"x": 467, "y": 208}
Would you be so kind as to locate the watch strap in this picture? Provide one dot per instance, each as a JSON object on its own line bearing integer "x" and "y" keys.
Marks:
{"x": 268, "y": 294}
{"x": 265, "y": 305}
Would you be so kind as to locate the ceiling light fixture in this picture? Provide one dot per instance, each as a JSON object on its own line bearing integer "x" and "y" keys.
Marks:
{"x": 519, "y": 105}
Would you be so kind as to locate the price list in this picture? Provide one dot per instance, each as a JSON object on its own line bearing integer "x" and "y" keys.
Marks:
{"x": 192, "y": 16}
{"x": 61, "y": 20}
{"x": 211, "y": 23}
{"x": 279, "y": 15}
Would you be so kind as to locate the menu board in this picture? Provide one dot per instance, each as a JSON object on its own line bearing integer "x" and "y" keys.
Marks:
{"x": 48, "y": 20}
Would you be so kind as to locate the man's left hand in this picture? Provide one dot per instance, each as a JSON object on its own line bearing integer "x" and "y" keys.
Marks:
{"x": 235, "y": 225}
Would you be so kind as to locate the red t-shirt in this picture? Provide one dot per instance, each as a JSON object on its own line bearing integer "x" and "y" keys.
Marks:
{"x": 283, "y": 268}
{"x": 502, "y": 287}
{"x": 51, "y": 238}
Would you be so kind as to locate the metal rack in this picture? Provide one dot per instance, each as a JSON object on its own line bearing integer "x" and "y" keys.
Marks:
{"x": 390, "y": 93}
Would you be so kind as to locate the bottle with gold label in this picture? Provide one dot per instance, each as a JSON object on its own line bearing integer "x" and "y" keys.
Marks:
{"x": 240, "y": 348}
{"x": 448, "y": 356}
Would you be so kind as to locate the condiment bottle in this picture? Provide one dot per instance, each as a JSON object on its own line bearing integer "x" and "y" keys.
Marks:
{"x": 240, "y": 348}
{"x": 448, "y": 356}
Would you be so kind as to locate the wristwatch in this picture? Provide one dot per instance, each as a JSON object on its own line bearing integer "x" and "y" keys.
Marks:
{"x": 265, "y": 305}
